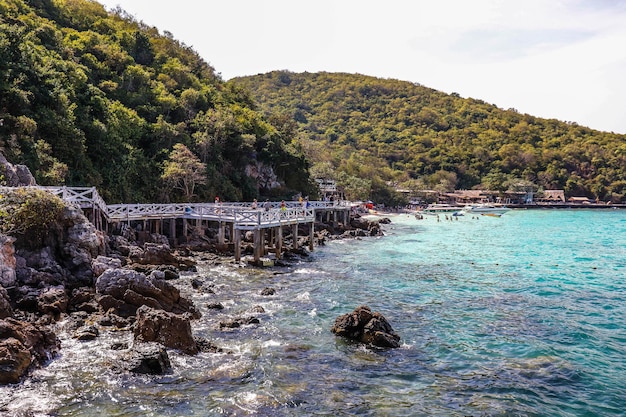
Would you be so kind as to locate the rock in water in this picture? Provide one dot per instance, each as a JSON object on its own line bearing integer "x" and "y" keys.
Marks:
{"x": 23, "y": 345}
{"x": 366, "y": 327}
{"x": 171, "y": 330}
{"x": 147, "y": 358}
{"x": 126, "y": 290}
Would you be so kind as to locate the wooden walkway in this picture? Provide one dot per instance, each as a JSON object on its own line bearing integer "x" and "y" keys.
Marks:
{"x": 237, "y": 217}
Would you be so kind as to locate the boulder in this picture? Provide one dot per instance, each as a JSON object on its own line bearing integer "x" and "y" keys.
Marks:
{"x": 366, "y": 327}
{"x": 156, "y": 254}
{"x": 23, "y": 345}
{"x": 66, "y": 255}
{"x": 171, "y": 330}
{"x": 369, "y": 227}
{"x": 53, "y": 301}
{"x": 5, "y": 304}
{"x": 147, "y": 358}
{"x": 15, "y": 175}
{"x": 205, "y": 345}
{"x": 38, "y": 267}
{"x": 82, "y": 243}
{"x": 87, "y": 333}
{"x": 7, "y": 261}
{"x": 83, "y": 299}
{"x": 360, "y": 223}
{"x": 238, "y": 322}
{"x": 15, "y": 360}
{"x": 102, "y": 263}
{"x": 268, "y": 291}
{"x": 126, "y": 290}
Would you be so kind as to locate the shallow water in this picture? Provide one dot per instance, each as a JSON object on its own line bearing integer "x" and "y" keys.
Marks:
{"x": 519, "y": 315}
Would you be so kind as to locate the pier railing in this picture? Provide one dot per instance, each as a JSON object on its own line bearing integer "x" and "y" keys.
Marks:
{"x": 83, "y": 197}
{"x": 243, "y": 215}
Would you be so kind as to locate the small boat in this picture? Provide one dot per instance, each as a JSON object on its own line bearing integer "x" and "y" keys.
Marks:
{"x": 486, "y": 209}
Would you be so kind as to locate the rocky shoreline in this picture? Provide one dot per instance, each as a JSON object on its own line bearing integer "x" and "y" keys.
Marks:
{"x": 91, "y": 281}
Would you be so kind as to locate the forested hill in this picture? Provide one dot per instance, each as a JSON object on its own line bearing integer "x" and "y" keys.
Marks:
{"x": 94, "y": 98}
{"x": 385, "y": 131}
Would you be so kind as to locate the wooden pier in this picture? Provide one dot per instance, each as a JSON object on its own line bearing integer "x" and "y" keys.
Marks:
{"x": 237, "y": 218}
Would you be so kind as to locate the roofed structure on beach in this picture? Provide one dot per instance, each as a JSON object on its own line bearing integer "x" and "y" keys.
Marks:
{"x": 579, "y": 200}
{"x": 551, "y": 196}
{"x": 471, "y": 196}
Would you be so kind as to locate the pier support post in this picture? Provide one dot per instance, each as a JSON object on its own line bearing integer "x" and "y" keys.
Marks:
{"x": 311, "y": 235}
{"x": 258, "y": 243}
{"x": 220, "y": 234}
{"x": 237, "y": 243}
{"x": 279, "y": 241}
{"x": 294, "y": 235}
{"x": 173, "y": 229}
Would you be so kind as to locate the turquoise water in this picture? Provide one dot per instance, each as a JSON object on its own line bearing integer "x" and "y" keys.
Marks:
{"x": 519, "y": 315}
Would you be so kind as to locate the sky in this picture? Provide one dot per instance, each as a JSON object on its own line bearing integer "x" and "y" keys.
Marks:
{"x": 561, "y": 59}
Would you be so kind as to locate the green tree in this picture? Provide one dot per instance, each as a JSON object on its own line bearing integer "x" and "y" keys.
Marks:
{"x": 183, "y": 171}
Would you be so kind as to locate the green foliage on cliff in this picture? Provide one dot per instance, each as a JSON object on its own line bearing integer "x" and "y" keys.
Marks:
{"x": 30, "y": 213}
{"x": 394, "y": 132}
{"x": 89, "y": 98}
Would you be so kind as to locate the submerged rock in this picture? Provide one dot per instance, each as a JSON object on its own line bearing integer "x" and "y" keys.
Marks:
{"x": 366, "y": 327}
{"x": 238, "y": 322}
{"x": 87, "y": 333}
{"x": 268, "y": 291}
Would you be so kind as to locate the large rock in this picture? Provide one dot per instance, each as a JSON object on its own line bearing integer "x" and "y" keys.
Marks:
{"x": 5, "y": 304}
{"x": 156, "y": 254}
{"x": 53, "y": 301}
{"x": 126, "y": 290}
{"x": 15, "y": 359}
{"x": 264, "y": 175}
{"x": 102, "y": 263}
{"x": 147, "y": 358}
{"x": 48, "y": 300}
{"x": 15, "y": 175}
{"x": 364, "y": 326}
{"x": 66, "y": 256}
{"x": 171, "y": 330}
{"x": 23, "y": 345}
{"x": 7, "y": 261}
{"x": 82, "y": 243}
{"x": 371, "y": 227}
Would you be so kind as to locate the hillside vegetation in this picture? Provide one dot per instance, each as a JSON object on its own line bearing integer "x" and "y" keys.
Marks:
{"x": 94, "y": 98}
{"x": 370, "y": 132}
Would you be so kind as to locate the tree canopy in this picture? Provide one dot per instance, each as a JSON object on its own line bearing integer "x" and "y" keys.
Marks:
{"x": 395, "y": 133}
{"x": 96, "y": 98}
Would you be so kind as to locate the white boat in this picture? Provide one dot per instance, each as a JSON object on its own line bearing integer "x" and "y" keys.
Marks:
{"x": 485, "y": 209}
{"x": 442, "y": 209}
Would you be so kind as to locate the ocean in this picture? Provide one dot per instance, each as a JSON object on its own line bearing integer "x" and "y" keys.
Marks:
{"x": 522, "y": 315}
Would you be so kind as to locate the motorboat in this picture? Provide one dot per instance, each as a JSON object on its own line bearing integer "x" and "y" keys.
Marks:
{"x": 486, "y": 209}
{"x": 435, "y": 209}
